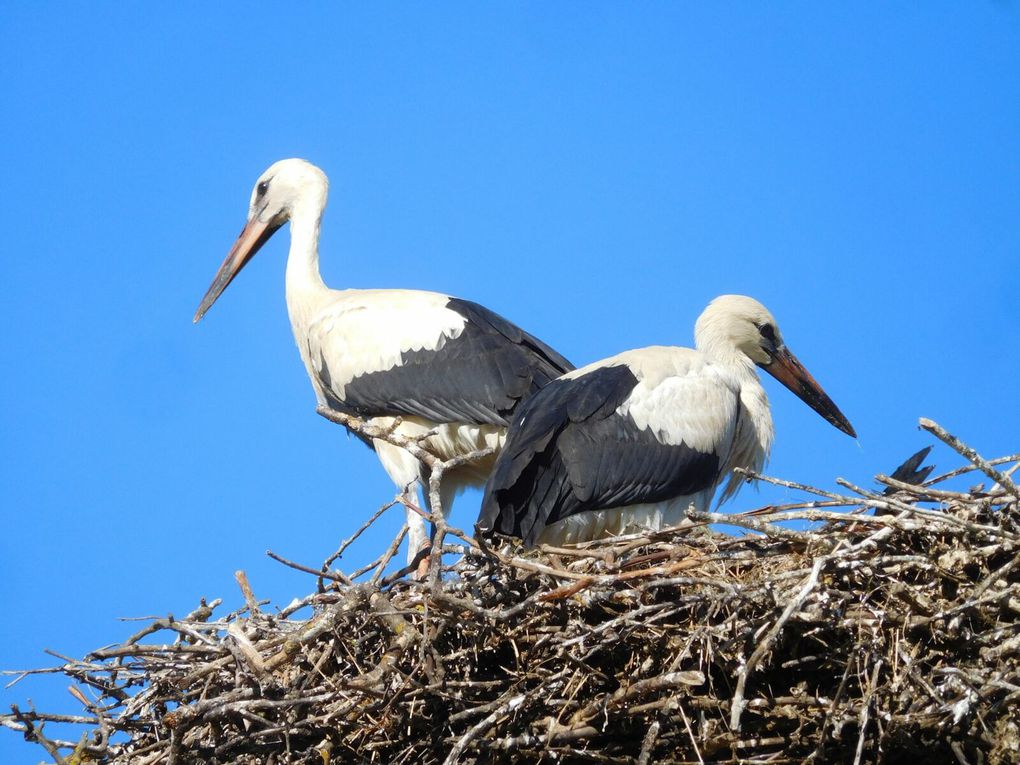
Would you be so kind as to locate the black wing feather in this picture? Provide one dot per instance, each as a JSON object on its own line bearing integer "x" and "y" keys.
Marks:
{"x": 480, "y": 376}
{"x": 568, "y": 451}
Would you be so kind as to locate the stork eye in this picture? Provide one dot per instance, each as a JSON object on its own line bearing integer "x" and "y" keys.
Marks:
{"x": 769, "y": 333}
{"x": 262, "y": 188}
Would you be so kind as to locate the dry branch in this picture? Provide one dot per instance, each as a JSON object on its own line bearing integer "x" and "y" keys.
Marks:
{"x": 850, "y": 638}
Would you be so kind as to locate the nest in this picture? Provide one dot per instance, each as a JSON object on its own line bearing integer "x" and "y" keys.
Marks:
{"x": 885, "y": 632}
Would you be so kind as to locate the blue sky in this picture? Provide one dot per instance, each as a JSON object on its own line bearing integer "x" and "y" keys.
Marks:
{"x": 596, "y": 173}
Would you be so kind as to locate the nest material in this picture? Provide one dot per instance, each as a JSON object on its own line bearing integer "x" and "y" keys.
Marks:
{"x": 883, "y": 634}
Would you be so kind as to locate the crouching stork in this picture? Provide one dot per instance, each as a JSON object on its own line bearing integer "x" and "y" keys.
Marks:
{"x": 422, "y": 360}
{"x": 635, "y": 440}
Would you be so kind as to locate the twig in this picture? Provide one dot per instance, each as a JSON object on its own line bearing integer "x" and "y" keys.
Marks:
{"x": 648, "y": 744}
{"x": 481, "y": 726}
{"x": 249, "y": 596}
{"x": 349, "y": 541}
{"x": 738, "y": 703}
{"x": 970, "y": 454}
{"x": 862, "y": 722}
{"x": 336, "y": 576}
{"x": 383, "y": 434}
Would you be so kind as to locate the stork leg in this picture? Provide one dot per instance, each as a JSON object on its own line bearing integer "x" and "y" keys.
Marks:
{"x": 419, "y": 539}
{"x": 405, "y": 471}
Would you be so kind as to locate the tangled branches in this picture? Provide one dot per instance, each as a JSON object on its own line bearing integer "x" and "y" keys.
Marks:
{"x": 887, "y": 631}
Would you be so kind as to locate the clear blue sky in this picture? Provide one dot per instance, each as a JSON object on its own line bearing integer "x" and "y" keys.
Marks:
{"x": 596, "y": 172}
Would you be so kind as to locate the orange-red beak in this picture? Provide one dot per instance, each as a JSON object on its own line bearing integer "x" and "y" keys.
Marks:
{"x": 790, "y": 372}
{"x": 253, "y": 236}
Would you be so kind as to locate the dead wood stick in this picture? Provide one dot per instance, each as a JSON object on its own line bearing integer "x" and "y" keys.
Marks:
{"x": 667, "y": 681}
{"x": 970, "y": 468}
{"x": 246, "y": 591}
{"x": 648, "y": 743}
{"x": 945, "y": 519}
{"x": 146, "y": 649}
{"x": 738, "y": 703}
{"x": 919, "y": 491}
{"x": 440, "y": 527}
{"x": 690, "y": 734}
{"x": 481, "y": 726}
{"x": 996, "y": 575}
{"x": 336, "y": 576}
{"x": 246, "y": 648}
{"x": 34, "y": 733}
{"x": 751, "y": 475}
{"x": 374, "y": 432}
{"x": 970, "y": 454}
{"x": 8, "y": 722}
{"x": 862, "y": 720}
{"x": 384, "y": 560}
{"x": 350, "y": 540}
{"x": 743, "y": 521}
{"x": 406, "y": 636}
{"x": 544, "y": 741}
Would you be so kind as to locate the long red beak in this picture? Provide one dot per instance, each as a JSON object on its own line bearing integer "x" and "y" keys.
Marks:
{"x": 790, "y": 372}
{"x": 253, "y": 236}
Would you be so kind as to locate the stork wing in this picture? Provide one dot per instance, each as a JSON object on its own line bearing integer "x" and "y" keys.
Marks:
{"x": 392, "y": 352}
{"x": 604, "y": 439}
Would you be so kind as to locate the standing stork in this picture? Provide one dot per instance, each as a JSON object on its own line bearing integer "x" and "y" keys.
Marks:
{"x": 635, "y": 440}
{"x": 434, "y": 362}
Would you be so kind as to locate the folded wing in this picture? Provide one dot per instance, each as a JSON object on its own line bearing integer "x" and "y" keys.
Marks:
{"x": 606, "y": 439}
{"x": 428, "y": 355}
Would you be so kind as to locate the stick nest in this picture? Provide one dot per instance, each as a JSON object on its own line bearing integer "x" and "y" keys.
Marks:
{"x": 886, "y": 632}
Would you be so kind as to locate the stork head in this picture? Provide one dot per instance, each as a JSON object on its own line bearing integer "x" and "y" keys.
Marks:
{"x": 288, "y": 189}
{"x": 735, "y": 323}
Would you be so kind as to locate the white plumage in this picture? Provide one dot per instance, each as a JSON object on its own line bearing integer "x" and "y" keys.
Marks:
{"x": 435, "y": 362}
{"x": 637, "y": 439}
{"x": 358, "y": 332}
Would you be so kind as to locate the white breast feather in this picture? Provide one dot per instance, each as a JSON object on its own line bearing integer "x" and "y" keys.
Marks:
{"x": 753, "y": 438}
{"x": 698, "y": 409}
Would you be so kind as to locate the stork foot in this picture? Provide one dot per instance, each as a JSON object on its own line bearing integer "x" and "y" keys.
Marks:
{"x": 424, "y": 557}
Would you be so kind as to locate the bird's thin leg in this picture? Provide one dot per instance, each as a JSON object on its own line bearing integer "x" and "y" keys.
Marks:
{"x": 418, "y": 538}
{"x": 423, "y": 547}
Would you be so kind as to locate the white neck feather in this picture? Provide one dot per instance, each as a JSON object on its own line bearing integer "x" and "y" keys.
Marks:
{"x": 305, "y": 287}
{"x": 715, "y": 338}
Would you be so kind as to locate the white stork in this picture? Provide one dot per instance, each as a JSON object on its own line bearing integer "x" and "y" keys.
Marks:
{"x": 435, "y": 362}
{"x": 633, "y": 441}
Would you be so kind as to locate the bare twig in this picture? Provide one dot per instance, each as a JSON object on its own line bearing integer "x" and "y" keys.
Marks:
{"x": 970, "y": 454}
{"x": 738, "y": 703}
